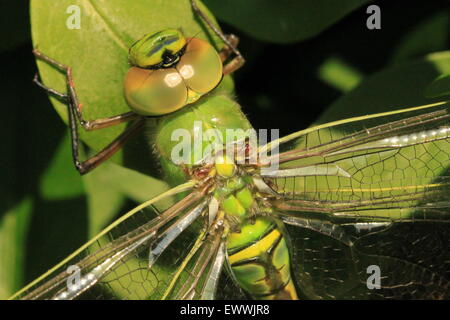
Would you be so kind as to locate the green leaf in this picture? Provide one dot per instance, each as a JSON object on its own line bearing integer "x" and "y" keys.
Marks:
{"x": 283, "y": 21}
{"x": 98, "y": 52}
{"x": 136, "y": 186}
{"x": 439, "y": 87}
{"x": 104, "y": 200}
{"x": 394, "y": 88}
{"x": 428, "y": 36}
{"x": 13, "y": 227}
{"x": 52, "y": 187}
{"x": 338, "y": 74}
{"x": 109, "y": 185}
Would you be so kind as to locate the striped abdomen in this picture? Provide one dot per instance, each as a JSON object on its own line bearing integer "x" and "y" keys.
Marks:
{"x": 258, "y": 257}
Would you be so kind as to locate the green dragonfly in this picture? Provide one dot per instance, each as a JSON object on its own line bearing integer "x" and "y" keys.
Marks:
{"x": 326, "y": 212}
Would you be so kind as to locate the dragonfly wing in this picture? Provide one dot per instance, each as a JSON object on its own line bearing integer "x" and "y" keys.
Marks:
{"x": 367, "y": 196}
{"x": 405, "y": 159}
{"x": 116, "y": 266}
{"x": 411, "y": 259}
{"x": 201, "y": 269}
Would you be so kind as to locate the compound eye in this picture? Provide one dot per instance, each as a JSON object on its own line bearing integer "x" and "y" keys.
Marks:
{"x": 200, "y": 66}
{"x": 154, "y": 92}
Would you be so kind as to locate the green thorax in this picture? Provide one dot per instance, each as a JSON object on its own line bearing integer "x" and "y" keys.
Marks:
{"x": 188, "y": 128}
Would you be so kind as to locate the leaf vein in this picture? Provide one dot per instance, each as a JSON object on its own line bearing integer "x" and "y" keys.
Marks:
{"x": 109, "y": 27}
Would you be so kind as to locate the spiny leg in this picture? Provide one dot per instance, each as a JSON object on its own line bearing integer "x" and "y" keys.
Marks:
{"x": 74, "y": 111}
{"x": 104, "y": 154}
{"x": 51, "y": 91}
{"x": 72, "y": 97}
{"x": 226, "y": 51}
{"x": 230, "y": 42}
{"x": 234, "y": 63}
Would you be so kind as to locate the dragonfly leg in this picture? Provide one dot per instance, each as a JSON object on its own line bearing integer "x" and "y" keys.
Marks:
{"x": 233, "y": 65}
{"x": 237, "y": 61}
{"x": 104, "y": 154}
{"x": 51, "y": 91}
{"x": 74, "y": 110}
{"x": 72, "y": 98}
{"x": 226, "y": 51}
{"x": 230, "y": 42}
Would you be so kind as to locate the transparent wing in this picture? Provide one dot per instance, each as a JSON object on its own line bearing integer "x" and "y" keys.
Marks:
{"x": 366, "y": 195}
{"x": 385, "y": 166}
{"x": 124, "y": 264}
{"x": 397, "y": 260}
{"x": 199, "y": 275}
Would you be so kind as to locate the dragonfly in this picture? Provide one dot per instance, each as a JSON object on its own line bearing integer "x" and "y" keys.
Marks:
{"x": 353, "y": 209}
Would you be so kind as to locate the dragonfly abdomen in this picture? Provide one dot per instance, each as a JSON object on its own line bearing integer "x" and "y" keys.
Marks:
{"x": 258, "y": 258}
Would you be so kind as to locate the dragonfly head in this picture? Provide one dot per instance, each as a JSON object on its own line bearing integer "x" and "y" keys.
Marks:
{"x": 170, "y": 71}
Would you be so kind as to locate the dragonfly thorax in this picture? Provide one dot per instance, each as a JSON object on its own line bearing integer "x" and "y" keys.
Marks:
{"x": 234, "y": 191}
